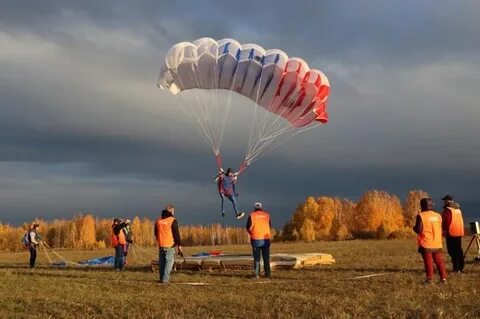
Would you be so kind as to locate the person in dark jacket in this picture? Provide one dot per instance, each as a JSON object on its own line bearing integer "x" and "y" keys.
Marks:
{"x": 168, "y": 238}
{"x": 428, "y": 226}
{"x": 453, "y": 230}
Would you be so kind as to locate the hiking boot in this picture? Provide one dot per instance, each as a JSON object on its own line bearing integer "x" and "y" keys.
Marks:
{"x": 240, "y": 215}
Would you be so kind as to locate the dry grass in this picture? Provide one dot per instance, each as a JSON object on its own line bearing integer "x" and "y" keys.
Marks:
{"x": 321, "y": 292}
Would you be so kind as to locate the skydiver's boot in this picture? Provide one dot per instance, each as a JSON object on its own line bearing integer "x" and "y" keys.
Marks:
{"x": 240, "y": 215}
{"x": 223, "y": 214}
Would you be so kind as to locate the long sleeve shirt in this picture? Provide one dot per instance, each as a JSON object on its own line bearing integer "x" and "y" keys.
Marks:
{"x": 175, "y": 232}
{"x": 34, "y": 237}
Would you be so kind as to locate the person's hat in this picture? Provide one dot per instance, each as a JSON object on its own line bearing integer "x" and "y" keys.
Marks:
{"x": 257, "y": 205}
{"x": 447, "y": 197}
{"x": 128, "y": 221}
{"x": 116, "y": 220}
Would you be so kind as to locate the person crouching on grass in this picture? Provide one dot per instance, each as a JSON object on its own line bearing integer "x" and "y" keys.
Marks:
{"x": 428, "y": 226}
{"x": 168, "y": 237}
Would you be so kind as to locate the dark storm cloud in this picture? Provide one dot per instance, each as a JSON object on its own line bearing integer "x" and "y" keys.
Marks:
{"x": 82, "y": 126}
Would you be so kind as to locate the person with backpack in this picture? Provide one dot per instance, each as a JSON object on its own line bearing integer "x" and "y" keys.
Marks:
{"x": 127, "y": 229}
{"x": 34, "y": 241}
{"x": 118, "y": 242}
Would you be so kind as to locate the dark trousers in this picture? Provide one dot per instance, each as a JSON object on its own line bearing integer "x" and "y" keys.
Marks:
{"x": 119, "y": 257}
{"x": 454, "y": 248}
{"x": 434, "y": 257}
{"x": 264, "y": 252}
{"x": 33, "y": 255}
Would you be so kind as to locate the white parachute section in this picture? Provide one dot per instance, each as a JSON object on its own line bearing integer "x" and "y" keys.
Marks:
{"x": 287, "y": 96}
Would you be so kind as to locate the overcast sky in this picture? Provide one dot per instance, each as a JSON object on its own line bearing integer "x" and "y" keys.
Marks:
{"x": 83, "y": 128}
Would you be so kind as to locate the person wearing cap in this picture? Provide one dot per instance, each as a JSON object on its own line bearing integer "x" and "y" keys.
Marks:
{"x": 453, "y": 230}
{"x": 258, "y": 227}
{"x": 168, "y": 237}
{"x": 226, "y": 189}
{"x": 428, "y": 226}
{"x": 34, "y": 241}
{"x": 118, "y": 242}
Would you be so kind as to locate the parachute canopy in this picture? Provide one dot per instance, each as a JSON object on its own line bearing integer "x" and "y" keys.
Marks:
{"x": 282, "y": 85}
{"x": 285, "y": 87}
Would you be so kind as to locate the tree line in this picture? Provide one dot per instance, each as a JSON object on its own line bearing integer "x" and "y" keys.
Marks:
{"x": 377, "y": 214}
{"x": 88, "y": 232}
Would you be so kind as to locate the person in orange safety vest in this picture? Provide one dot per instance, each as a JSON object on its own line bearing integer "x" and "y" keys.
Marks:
{"x": 168, "y": 237}
{"x": 428, "y": 226}
{"x": 259, "y": 228}
{"x": 453, "y": 230}
{"x": 118, "y": 242}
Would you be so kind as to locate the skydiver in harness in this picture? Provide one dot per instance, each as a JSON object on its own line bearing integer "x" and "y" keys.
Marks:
{"x": 226, "y": 188}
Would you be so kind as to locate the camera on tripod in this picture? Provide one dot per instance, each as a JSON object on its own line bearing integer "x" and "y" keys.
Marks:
{"x": 475, "y": 232}
{"x": 475, "y": 228}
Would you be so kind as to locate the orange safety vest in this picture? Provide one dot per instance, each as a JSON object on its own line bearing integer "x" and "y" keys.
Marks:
{"x": 118, "y": 239}
{"x": 164, "y": 232}
{"x": 431, "y": 236}
{"x": 260, "y": 228}
{"x": 456, "y": 226}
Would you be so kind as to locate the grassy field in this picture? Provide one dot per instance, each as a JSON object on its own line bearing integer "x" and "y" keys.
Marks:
{"x": 320, "y": 292}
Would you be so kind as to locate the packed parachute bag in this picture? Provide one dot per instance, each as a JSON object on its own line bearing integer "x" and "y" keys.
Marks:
{"x": 26, "y": 240}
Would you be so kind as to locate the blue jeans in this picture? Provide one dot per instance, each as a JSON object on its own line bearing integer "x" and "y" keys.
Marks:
{"x": 166, "y": 259}
{"x": 261, "y": 250}
{"x": 232, "y": 199}
{"x": 119, "y": 257}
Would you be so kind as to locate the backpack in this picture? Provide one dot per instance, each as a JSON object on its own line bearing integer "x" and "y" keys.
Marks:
{"x": 26, "y": 239}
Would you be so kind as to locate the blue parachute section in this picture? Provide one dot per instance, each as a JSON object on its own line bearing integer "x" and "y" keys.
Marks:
{"x": 107, "y": 260}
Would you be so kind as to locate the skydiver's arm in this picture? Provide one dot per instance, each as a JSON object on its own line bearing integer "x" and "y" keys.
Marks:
{"x": 155, "y": 231}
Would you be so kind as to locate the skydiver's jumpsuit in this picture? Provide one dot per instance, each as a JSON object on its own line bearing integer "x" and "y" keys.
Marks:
{"x": 226, "y": 188}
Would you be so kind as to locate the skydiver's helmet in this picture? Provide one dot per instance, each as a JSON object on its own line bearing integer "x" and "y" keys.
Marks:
{"x": 229, "y": 171}
{"x": 128, "y": 221}
{"x": 116, "y": 221}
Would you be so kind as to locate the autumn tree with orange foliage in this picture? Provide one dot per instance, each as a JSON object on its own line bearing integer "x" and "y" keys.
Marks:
{"x": 411, "y": 206}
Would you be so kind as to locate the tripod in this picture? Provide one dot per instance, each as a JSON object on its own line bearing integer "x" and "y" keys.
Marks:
{"x": 476, "y": 238}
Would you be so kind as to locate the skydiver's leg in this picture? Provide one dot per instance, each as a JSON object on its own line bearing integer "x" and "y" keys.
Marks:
{"x": 223, "y": 200}
{"x": 234, "y": 203}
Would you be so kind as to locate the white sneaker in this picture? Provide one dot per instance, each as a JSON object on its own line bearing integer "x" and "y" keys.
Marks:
{"x": 240, "y": 216}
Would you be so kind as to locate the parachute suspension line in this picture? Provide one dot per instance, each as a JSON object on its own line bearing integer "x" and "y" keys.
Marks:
{"x": 265, "y": 150}
{"x": 201, "y": 125}
{"x": 266, "y": 135}
{"x": 225, "y": 114}
{"x": 254, "y": 119}
{"x": 204, "y": 106}
{"x": 46, "y": 254}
